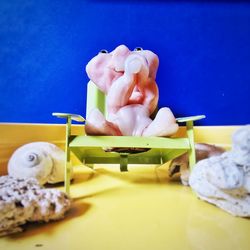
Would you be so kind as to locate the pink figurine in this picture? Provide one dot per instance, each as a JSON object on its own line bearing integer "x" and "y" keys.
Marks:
{"x": 128, "y": 80}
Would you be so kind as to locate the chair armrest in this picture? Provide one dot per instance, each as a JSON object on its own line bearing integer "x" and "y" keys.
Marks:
{"x": 190, "y": 118}
{"x": 74, "y": 117}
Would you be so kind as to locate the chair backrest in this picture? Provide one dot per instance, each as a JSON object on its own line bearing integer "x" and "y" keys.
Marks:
{"x": 95, "y": 99}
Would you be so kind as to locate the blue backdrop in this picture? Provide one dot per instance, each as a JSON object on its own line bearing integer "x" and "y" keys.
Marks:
{"x": 204, "y": 51}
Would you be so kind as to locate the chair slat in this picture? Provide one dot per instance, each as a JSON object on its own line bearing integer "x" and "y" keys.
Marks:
{"x": 95, "y": 99}
{"x": 129, "y": 141}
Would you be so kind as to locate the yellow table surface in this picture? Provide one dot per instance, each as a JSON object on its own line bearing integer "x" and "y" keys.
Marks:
{"x": 139, "y": 209}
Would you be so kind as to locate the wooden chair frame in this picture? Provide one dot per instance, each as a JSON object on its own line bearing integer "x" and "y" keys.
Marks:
{"x": 90, "y": 150}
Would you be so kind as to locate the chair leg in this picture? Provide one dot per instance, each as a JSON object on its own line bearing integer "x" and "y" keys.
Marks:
{"x": 67, "y": 168}
{"x": 123, "y": 162}
{"x": 191, "y": 152}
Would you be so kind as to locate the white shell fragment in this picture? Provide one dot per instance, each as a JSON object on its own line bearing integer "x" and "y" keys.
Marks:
{"x": 225, "y": 180}
{"x": 23, "y": 201}
{"x": 40, "y": 160}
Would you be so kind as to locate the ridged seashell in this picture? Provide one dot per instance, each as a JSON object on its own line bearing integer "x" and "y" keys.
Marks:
{"x": 41, "y": 160}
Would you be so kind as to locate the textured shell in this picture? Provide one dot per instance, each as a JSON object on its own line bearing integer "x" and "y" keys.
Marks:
{"x": 40, "y": 160}
{"x": 23, "y": 201}
{"x": 225, "y": 180}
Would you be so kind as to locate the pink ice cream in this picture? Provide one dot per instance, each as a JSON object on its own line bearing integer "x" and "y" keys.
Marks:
{"x": 128, "y": 80}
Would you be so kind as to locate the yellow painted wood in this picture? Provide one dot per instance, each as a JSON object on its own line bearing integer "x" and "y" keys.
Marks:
{"x": 191, "y": 152}
{"x": 136, "y": 210}
{"x": 129, "y": 141}
{"x": 79, "y": 145}
{"x": 73, "y": 117}
{"x": 67, "y": 167}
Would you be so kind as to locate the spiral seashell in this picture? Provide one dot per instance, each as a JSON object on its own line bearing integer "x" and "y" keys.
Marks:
{"x": 41, "y": 160}
{"x": 31, "y": 159}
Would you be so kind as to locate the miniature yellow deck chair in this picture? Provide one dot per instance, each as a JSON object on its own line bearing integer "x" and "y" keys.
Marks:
{"x": 119, "y": 149}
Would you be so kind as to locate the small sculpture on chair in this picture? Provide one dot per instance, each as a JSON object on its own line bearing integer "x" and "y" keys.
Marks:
{"x": 128, "y": 80}
{"x": 122, "y": 97}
